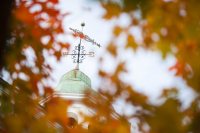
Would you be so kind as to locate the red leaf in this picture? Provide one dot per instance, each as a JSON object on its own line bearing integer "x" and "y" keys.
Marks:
{"x": 22, "y": 13}
{"x": 179, "y": 67}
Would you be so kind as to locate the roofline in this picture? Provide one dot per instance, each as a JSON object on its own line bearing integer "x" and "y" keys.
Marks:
{"x": 69, "y": 96}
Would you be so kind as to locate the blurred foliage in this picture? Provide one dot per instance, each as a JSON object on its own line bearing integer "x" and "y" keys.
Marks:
{"x": 168, "y": 26}
{"x": 171, "y": 27}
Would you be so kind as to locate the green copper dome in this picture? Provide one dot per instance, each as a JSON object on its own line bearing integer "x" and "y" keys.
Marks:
{"x": 74, "y": 81}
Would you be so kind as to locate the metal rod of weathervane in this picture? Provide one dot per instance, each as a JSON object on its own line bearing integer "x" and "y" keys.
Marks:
{"x": 79, "y": 48}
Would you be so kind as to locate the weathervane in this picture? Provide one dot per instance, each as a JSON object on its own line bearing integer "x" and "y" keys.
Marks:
{"x": 78, "y": 54}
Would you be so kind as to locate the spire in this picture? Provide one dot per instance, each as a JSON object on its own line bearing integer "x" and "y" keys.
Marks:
{"x": 78, "y": 54}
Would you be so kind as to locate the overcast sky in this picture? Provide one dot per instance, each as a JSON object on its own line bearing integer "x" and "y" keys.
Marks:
{"x": 147, "y": 71}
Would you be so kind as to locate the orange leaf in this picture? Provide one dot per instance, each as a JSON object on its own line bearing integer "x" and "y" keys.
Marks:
{"x": 179, "y": 67}
{"x": 22, "y": 13}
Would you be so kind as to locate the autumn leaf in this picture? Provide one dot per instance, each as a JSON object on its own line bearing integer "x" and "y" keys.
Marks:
{"x": 112, "y": 49}
{"x": 22, "y": 13}
{"x": 179, "y": 67}
{"x": 112, "y": 10}
{"x": 131, "y": 42}
{"x": 117, "y": 31}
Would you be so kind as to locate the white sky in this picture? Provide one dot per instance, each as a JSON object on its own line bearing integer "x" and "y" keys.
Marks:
{"x": 148, "y": 72}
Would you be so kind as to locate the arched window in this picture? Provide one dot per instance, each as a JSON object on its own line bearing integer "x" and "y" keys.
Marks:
{"x": 72, "y": 120}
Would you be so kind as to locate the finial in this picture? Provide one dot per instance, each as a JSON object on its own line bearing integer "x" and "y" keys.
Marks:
{"x": 82, "y": 24}
{"x": 78, "y": 54}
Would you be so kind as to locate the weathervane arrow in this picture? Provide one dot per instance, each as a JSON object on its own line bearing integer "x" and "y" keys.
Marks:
{"x": 78, "y": 54}
{"x": 83, "y": 36}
